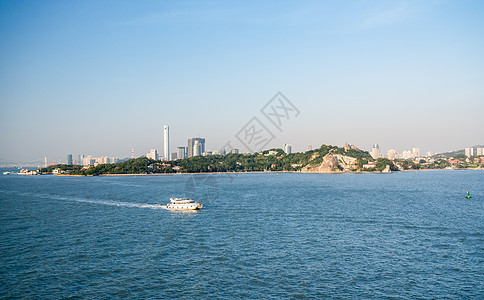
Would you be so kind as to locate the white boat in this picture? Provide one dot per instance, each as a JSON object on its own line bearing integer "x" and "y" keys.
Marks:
{"x": 183, "y": 203}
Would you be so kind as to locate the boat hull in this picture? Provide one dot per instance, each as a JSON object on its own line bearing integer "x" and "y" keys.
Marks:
{"x": 184, "y": 207}
{"x": 183, "y": 204}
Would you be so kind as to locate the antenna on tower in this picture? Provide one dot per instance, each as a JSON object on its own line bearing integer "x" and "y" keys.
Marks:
{"x": 132, "y": 153}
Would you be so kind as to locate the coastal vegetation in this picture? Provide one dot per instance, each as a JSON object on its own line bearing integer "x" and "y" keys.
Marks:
{"x": 325, "y": 159}
{"x": 268, "y": 160}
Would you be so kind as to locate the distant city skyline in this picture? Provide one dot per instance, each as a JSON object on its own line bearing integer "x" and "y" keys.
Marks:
{"x": 196, "y": 147}
{"x": 103, "y": 77}
{"x": 185, "y": 152}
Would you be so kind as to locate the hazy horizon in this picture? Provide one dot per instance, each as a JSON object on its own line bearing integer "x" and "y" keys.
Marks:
{"x": 98, "y": 78}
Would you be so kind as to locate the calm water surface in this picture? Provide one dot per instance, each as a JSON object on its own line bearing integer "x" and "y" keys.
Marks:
{"x": 401, "y": 235}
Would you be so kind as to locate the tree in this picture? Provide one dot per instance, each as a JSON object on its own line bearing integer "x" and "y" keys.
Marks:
{"x": 382, "y": 163}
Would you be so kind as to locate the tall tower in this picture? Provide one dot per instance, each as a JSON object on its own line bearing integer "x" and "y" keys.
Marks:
{"x": 375, "y": 152}
{"x": 197, "y": 148}
{"x": 287, "y": 148}
{"x": 166, "y": 144}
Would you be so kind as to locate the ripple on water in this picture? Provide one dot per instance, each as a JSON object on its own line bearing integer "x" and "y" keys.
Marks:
{"x": 404, "y": 235}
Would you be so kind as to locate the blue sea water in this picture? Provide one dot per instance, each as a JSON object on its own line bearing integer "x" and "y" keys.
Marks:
{"x": 401, "y": 235}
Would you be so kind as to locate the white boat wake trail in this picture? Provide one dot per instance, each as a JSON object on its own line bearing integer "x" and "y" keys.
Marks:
{"x": 118, "y": 203}
{"x": 93, "y": 201}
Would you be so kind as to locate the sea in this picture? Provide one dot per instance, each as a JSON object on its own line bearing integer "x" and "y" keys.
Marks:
{"x": 403, "y": 235}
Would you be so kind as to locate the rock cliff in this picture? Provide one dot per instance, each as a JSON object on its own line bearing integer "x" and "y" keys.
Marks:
{"x": 332, "y": 163}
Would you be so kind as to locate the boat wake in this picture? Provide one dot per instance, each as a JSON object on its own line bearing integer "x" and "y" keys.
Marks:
{"x": 94, "y": 201}
{"x": 119, "y": 203}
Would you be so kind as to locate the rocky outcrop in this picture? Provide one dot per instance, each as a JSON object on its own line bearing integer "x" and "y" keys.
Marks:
{"x": 347, "y": 146}
{"x": 346, "y": 163}
{"x": 332, "y": 163}
{"x": 329, "y": 165}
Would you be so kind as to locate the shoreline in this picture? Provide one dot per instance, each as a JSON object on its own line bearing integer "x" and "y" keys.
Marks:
{"x": 258, "y": 172}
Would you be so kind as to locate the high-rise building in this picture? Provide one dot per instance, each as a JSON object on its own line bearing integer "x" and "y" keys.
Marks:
{"x": 469, "y": 152}
{"x": 191, "y": 146}
{"x": 88, "y": 160}
{"x": 197, "y": 148}
{"x": 480, "y": 151}
{"x": 391, "y": 154}
{"x": 180, "y": 154}
{"x": 406, "y": 154}
{"x": 69, "y": 159}
{"x": 173, "y": 156}
{"x": 415, "y": 152}
{"x": 153, "y": 154}
{"x": 166, "y": 144}
{"x": 375, "y": 152}
{"x": 287, "y": 148}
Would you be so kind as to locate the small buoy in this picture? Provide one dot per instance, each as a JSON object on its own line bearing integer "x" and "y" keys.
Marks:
{"x": 468, "y": 195}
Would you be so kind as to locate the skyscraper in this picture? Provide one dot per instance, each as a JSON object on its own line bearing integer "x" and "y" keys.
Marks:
{"x": 375, "y": 152}
{"x": 166, "y": 144}
{"x": 406, "y": 154}
{"x": 416, "y": 152}
{"x": 197, "y": 148}
{"x": 392, "y": 154}
{"x": 181, "y": 154}
{"x": 69, "y": 159}
{"x": 191, "y": 146}
{"x": 287, "y": 148}
{"x": 153, "y": 154}
{"x": 469, "y": 152}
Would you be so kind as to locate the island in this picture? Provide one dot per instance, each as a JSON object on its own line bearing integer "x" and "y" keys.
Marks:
{"x": 325, "y": 159}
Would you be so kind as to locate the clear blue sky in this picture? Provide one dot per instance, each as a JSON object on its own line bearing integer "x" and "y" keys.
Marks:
{"x": 100, "y": 77}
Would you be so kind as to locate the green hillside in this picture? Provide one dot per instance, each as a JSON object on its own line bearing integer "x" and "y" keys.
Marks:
{"x": 268, "y": 160}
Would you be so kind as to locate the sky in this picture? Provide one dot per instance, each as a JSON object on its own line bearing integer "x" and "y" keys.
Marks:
{"x": 101, "y": 77}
